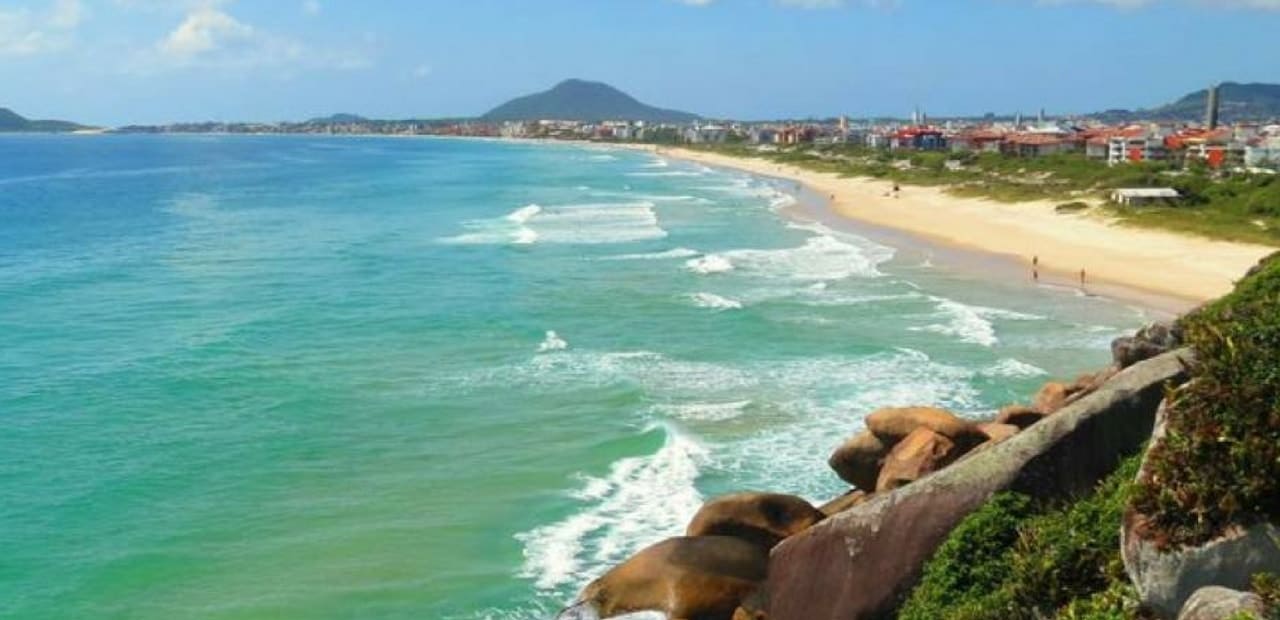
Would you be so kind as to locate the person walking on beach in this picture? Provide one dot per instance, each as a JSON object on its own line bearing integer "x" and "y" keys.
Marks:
{"x": 1082, "y": 279}
{"x": 1035, "y": 268}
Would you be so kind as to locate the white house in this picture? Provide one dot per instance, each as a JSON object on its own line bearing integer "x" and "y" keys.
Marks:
{"x": 1144, "y": 196}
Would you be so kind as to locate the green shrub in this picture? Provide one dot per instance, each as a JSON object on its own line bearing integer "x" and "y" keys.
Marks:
{"x": 1219, "y": 465}
{"x": 1014, "y": 559}
{"x": 1267, "y": 586}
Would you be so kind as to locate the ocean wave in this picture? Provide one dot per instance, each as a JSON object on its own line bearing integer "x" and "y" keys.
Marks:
{"x": 667, "y": 173}
{"x": 640, "y": 501}
{"x": 1012, "y": 368}
{"x": 665, "y": 254}
{"x": 715, "y": 302}
{"x": 552, "y": 342}
{"x": 823, "y": 257}
{"x": 593, "y": 223}
{"x": 971, "y": 324}
{"x": 711, "y": 263}
{"x": 704, "y": 412}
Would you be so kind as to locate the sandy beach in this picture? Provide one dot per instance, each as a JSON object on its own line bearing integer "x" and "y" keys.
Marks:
{"x": 1171, "y": 266}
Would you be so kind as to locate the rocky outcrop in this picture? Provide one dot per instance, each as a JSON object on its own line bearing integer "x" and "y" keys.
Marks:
{"x": 1020, "y": 416}
{"x": 1166, "y": 578}
{"x": 858, "y": 460}
{"x": 996, "y": 432}
{"x": 1051, "y": 397}
{"x": 918, "y": 455}
{"x": 1215, "y": 603}
{"x": 1150, "y": 341}
{"x": 844, "y": 502}
{"x": 893, "y": 424}
{"x": 699, "y": 577}
{"x": 860, "y": 563}
{"x": 760, "y": 518}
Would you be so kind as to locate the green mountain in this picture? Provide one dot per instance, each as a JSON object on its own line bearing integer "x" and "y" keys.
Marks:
{"x": 579, "y": 100}
{"x": 11, "y": 121}
{"x": 1239, "y": 102}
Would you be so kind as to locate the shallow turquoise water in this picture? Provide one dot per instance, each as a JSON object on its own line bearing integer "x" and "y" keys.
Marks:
{"x": 272, "y": 377}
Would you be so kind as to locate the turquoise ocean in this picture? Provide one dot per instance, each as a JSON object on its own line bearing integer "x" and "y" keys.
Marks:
{"x": 314, "y": 377}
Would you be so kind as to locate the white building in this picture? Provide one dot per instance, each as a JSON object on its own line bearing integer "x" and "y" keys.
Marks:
{"x": 1144, "y": 196}
{"x": 1263, "y": 154}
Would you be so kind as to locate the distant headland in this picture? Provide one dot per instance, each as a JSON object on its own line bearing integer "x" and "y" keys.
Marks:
{"x": 12, "y": 122}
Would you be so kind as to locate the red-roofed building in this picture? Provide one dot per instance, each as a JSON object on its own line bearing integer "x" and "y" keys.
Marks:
{"x": 921, "y": 138}
{"x": 1039, "y": 144}
{"x": 1216, "y": 148}
{"x": 977, "y": 140}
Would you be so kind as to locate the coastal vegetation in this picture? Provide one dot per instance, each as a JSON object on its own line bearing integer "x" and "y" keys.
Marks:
{"x": 1222, "y": 205}
{"x": 1219, "y": 464}
{"x": 1020, "y": 558}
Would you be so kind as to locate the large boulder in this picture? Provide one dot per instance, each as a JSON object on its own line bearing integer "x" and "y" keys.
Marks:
{"x": 1020, "y": 416}
{"x": 761, "y": 518}
{"x": 860, "y": 563}
{"x": 997, "y": 432}
{"x": 1166, "y": 577}
{"x": 1215, "y": 603}
{"x": 844, "y": 502}
{"x": 1148, "y": 342}
{"x": 918, "y": 455}
{"x": 699, "y": 577}
{"x": 858, "y": 460}
{"x": 893, "y": 424}
{"x": 1052, "y": 397}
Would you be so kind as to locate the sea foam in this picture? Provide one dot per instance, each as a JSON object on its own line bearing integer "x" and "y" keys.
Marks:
{"x": 715, "y": 302}
{"x": 971, "y": 324}
{"x": 711, "y": 263}
{"x": 641, "y": 500}
{"x": 592, "y": 223}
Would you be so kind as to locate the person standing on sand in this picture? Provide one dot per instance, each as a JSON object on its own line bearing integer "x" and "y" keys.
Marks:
{"x": 1035, "y": 268}
{"x": 1082, "y": 279}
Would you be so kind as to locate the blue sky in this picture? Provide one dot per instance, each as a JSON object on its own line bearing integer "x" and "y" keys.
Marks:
{"x": 148, "y": 61}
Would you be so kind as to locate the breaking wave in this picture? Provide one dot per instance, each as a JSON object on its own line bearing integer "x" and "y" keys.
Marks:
{"x": 597, "y": 223}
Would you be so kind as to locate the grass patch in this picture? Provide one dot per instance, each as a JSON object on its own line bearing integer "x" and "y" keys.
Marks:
{"x": 1015, "y": 559}
{"x": 1220, "y": 462}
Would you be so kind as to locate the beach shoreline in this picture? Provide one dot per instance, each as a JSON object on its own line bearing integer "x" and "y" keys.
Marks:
{"x": 1165, "y": 272}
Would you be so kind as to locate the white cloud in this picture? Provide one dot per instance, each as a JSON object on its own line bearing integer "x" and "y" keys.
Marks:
{"x": 205, "y": 30}
{"x": 24, "y": 32}
{"x": 210, "y": 37}
{"x": 66, "y": 14}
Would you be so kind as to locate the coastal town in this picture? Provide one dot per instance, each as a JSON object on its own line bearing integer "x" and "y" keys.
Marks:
{"x": 1248, "y": 145}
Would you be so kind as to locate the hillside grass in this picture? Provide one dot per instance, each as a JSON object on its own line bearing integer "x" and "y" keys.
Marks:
{"x": 1234, "y": 207}
{"x": 1219, "y": 465}
{"x": 1017, "y": 559}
